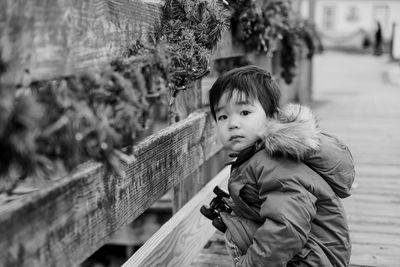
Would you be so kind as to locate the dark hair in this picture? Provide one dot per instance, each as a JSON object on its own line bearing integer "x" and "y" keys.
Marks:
{"x": 252, "y": 82}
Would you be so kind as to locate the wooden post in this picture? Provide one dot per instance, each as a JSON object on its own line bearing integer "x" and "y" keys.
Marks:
{"x": 310, "y": 67}
{"x": 304, "y": 82}
{"x": 185, "y": 103}
{"x": 395, "y": 42}
{"x": 311, "y": 11}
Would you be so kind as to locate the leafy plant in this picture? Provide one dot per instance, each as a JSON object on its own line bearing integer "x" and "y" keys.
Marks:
{"x": 49, "y": 127}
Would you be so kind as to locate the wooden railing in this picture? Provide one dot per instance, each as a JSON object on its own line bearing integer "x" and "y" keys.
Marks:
{"x": 179, "y": 240}
{"x": 65, "y": 222}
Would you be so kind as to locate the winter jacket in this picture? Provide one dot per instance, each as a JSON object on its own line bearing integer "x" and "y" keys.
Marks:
{"x": 286, "y": 190}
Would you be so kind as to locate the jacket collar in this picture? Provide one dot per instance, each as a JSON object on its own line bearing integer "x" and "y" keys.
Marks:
{"x": 246, "y": 153}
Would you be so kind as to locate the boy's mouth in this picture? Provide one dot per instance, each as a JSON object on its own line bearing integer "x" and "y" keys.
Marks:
{"x": 235, "y": 137}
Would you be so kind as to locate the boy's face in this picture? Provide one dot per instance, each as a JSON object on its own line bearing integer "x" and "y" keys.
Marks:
{"x": 240, "y": 121}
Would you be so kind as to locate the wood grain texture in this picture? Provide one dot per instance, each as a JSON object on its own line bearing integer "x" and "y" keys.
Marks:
{"x": 179, "y": 240}
{"x": 42, "y": 40}
{"x": 64, "y": 224}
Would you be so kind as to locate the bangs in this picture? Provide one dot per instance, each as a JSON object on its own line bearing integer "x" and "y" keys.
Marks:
{"x": 240, "y": 96}
{"x": 247, "y": 84}
{"x": 245, "y": 89}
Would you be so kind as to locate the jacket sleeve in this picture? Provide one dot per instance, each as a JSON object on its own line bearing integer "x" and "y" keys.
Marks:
{"x": 334, "y": 162}
{"x": 288, "y": 209}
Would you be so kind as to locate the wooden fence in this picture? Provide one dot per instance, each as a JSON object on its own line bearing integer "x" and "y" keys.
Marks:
{"x": 65, "y": 222}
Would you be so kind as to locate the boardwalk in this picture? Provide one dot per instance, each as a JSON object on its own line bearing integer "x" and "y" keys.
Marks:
{"x": 357, "y": 100}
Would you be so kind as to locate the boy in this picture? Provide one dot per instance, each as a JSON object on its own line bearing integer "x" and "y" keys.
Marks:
{"x": 286, "y": 179}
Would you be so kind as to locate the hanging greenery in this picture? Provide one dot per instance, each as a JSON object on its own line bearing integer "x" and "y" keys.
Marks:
{"x": 191, "y": 28}
{"x": 299, "y": 35}
{"x": 47, "y": 128}
{"x": 50, "y": 127}
{"x": 258, "y": 23}
{"x": 261, "y": 24}
{"x": 288, "y": 57}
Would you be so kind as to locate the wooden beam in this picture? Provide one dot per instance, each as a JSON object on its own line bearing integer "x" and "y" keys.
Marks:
{"x": 41, "y": 40}
{"x": 64, "y": 224}
{"x": 180, "y": 239}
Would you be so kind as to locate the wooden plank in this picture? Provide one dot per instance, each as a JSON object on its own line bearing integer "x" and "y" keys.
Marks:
{"x": 67, "y": 222}
{"x": 367, "y": 178}
{"x": 381, "y": 170}
{"x": 374, "y": 260}
{"x": 373, "y": 181}
{"x": 379, "y": 221}
{"x": 371, "y": 227}
{"x": 376, "y": 209}
{"x": 378, "y": 182}
{"x": 378, "y": 190}
{"x": 366, "y": 159}
{"x": 376, "y": 238}
{"x": 214, "y": 253}
{"x": 180, "y": 239}
{"x": 212, "y": 259}
{"x": 383, "y": 198}
{"x": 364, "y": 254}
{"x": 361, "y": 127}
{"x": 375, "y": 249}
{"x": 42, "y": 40}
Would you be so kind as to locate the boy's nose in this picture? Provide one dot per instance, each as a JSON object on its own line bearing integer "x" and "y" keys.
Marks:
{"x": 233, "y": 123}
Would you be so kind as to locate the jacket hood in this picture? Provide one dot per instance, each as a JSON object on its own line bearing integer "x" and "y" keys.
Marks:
{"x": 294, "y": 133}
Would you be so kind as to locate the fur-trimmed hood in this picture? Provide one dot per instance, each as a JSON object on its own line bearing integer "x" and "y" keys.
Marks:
{"x": 293, "y": 132}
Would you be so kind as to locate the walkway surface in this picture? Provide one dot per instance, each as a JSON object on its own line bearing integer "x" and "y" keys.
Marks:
{"x": 357, "y": 98}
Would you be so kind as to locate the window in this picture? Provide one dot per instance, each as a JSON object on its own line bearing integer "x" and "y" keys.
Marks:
{"x": 328, "y": 18}
{"x": 352, "y": 15}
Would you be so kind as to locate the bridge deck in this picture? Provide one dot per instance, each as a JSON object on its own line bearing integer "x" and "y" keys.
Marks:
{"x": 356, "y": 99}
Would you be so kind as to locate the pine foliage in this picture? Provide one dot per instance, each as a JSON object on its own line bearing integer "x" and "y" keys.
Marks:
{"x": 47, "y": 128}
{"x": 192, "y": 28}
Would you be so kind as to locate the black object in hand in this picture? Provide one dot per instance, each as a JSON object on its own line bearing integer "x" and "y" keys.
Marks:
{"x": 216, "y": 206}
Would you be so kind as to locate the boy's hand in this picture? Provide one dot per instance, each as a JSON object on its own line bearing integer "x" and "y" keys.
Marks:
{"x": 229, "y": 202}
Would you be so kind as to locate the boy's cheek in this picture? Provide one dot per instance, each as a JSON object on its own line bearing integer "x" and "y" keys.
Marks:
{"x": 223, "y": 139}
{"x": 220, "y": 134}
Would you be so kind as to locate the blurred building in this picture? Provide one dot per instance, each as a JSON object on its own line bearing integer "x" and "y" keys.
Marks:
{"x": 351, "y": 23}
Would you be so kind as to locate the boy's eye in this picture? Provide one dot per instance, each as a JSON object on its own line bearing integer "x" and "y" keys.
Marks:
{"x": 245, "y": 112}
{"x": 222, "y": 117}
